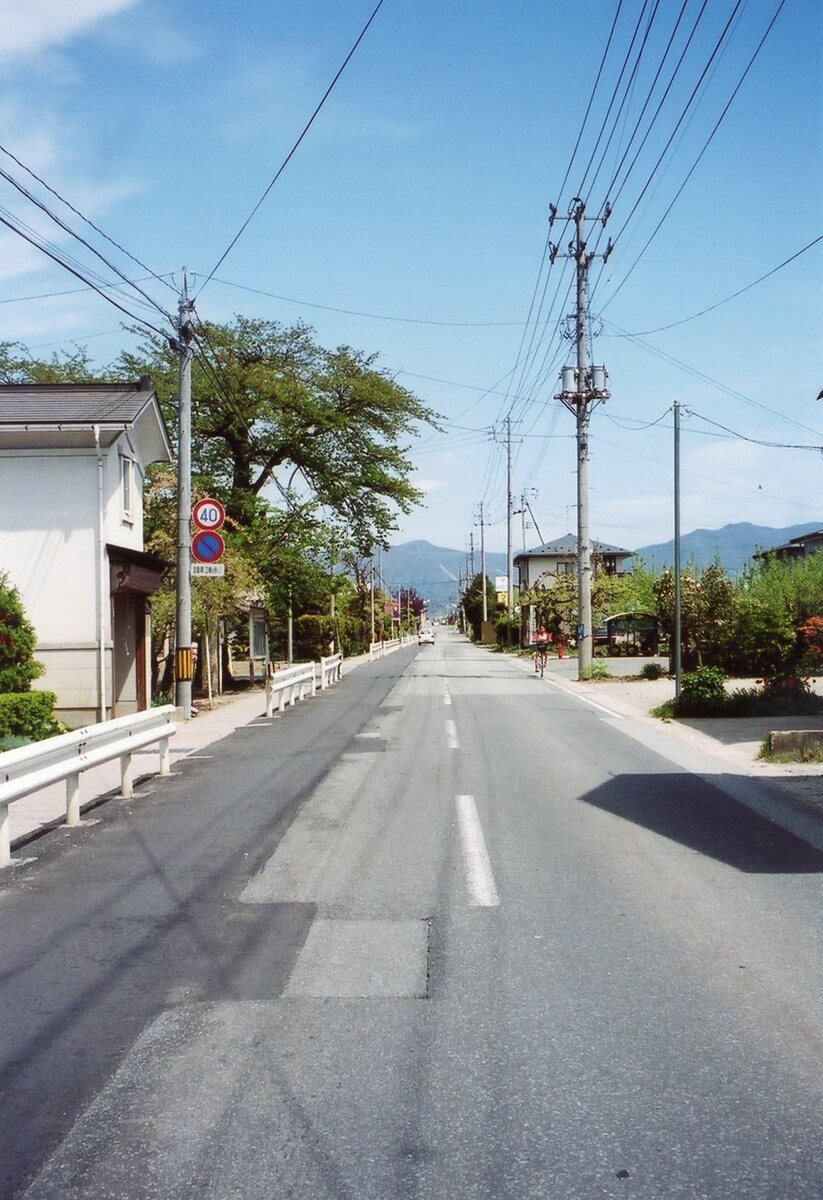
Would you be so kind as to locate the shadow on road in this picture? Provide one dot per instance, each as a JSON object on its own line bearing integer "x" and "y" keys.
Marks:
{"x": 696, "y": 814}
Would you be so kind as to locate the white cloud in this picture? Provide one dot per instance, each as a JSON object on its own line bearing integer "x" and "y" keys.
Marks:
{"x": 30, "y": 26}
{"x": 431, "y": 485}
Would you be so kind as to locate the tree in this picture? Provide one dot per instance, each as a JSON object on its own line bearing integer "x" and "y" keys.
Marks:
{"x": 276, "y": 411}
{"x": 472, "y": 600}
{"x": 18, "y": 666}
{"x": 18, "y": 366}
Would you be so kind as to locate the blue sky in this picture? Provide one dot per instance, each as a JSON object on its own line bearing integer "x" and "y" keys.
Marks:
{"x": 412, "y": 222}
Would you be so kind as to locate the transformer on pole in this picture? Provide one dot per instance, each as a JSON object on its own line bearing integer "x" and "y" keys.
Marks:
{"x": 583, "y": 388}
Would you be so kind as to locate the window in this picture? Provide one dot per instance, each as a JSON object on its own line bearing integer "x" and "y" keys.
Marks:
{"x": 126, "y": 486}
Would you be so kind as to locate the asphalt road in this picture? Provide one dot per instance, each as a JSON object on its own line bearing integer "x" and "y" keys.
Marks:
{"x": 445, "y": 932}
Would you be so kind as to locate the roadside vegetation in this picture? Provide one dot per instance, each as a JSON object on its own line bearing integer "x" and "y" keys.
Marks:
{"x": 307, "y": 448}
{"x": 767, "y": 625}
{"x": 25, "y": 715}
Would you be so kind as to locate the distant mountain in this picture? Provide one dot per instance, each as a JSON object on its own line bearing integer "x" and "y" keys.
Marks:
{"x": 434, "y": 572}
{"x": 733, "y": 545}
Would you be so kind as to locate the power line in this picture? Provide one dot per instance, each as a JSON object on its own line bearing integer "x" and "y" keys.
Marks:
{"x": 734, "y": 295}
{"x": 294, "y": 148}
{"x": 32, "y": 240}
{"x": 708, "y": 379}
{"x": 756, "y": 441}
{"x": 83, "y": 242}
{"x": 88, "y": 221}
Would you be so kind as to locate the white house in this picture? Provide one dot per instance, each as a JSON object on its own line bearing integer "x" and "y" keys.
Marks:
{"x": 73, "y": 459}
{"x": 540, "y": 567}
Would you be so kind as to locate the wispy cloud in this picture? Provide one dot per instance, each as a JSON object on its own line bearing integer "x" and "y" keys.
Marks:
{"x": 30, "y": 26}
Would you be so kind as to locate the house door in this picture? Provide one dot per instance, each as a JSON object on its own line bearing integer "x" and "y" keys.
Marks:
{"x": 129, "y": 653}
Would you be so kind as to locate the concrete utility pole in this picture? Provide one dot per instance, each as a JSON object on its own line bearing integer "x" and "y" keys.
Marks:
{"x": 483, "y": 563}
{"x": 183, "y": 661}
{"x": 509, "y": 546}
{"x": 588, "y": 391}
{"x": 677, "y": 595}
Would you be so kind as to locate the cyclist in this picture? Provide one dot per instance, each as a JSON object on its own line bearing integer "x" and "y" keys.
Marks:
{"x": 542, "y": 641}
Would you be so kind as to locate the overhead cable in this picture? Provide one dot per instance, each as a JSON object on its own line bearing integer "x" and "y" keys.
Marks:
{"x": 293, "y": 150}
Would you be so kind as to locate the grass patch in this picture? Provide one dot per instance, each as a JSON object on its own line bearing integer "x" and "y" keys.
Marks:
{"x": 803, "y": 754}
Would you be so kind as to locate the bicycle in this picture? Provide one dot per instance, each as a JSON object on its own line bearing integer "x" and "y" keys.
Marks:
{"x": 541, "y": 653}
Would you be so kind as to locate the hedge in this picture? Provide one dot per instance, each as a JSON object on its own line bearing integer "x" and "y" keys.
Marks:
{"x": 28, "y": 714}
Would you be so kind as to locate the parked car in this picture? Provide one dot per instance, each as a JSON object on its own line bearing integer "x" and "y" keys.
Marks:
{"x": 425, "y": 637}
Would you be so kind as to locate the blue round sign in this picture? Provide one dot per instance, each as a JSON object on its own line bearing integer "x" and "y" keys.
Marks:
{"x": 207, "y": 547}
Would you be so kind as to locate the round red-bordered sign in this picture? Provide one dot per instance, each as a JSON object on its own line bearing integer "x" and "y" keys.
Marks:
{"x": 208, "y": 514}
{"x": 207, "y": 546}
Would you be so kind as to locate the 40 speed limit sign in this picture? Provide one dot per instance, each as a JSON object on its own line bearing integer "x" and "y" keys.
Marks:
{"x": 208, "y": 514}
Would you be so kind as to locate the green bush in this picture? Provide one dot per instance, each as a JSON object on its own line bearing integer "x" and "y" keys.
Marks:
{"x": 18, "y": 666}
{"x": 703, "y": 692}
{"x": 28, "y": 715}
{"x": 652, "y": 671}
{"x": 598, "y": 670}
{"x": 508, "y": 631}
{"x": 313, "y": 632}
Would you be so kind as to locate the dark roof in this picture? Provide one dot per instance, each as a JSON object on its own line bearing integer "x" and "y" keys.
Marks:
{"x": 564, "y": 546}
{"x": 55, "y": 416}
{"x": 66, "y": 404}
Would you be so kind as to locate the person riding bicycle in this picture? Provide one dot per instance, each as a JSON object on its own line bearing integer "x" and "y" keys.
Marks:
{"x": 542, "y": 641}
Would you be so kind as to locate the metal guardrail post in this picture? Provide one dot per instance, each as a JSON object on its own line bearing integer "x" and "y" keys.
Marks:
{"x": 5, "y": 837}
{"x": 126, "y": 782}
{"x": 73, "y": 799}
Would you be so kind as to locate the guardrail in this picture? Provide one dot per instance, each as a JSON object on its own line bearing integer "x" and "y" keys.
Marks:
{"x": 289, "y": 686}
{"x": 65, "y": 757}
{"x": 380, "y": 649}
{"x": 331, "y": 670}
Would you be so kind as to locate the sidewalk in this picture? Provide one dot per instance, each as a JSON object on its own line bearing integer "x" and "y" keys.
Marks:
{"x": 733, "y": 741}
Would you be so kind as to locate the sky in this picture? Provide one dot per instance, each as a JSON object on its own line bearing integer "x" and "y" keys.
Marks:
{"x": 412, "y": 222}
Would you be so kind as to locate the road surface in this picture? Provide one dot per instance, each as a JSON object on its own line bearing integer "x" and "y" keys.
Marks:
{"x": 444, "y": 932}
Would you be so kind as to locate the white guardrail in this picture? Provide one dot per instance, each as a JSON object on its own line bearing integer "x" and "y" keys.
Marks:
{"x": 66, "y": 756}
{"x": 380, "y": 649}
{"x": 290, "y": 684}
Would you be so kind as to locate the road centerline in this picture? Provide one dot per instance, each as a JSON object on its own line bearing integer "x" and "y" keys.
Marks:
{"x": 479, "y": 877}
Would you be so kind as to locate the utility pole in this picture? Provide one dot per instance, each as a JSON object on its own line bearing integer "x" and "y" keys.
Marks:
{"x": 677, "y": 598}
{"x": 471, "y": 554}
{"x": 583, "y": 389}
{"x": 509, "y": 547}
{"x": 183, "y": 662}
{"x": 483, "y": 563}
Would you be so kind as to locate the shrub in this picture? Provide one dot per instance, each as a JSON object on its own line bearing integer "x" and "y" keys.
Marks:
{"x": 28, "y": 715}
{"x": 17, "y": 641}
{"x": 508, "y": 631}
{"x": 313, "y": 633}
{"x": 598, "y": 670}
{"x": 652, "y": 671}
{"x": 703, "y": 692}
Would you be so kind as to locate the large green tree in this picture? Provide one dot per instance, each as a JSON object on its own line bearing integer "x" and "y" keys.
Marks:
{"x": 276, "y": 414}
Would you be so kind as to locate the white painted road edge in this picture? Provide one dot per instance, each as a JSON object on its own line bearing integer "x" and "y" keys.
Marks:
{"x": 479, "y": 877}
{"x": 451, "y": 735}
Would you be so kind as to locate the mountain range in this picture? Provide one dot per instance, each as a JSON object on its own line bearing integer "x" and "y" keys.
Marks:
{"x": 436, "y": 572}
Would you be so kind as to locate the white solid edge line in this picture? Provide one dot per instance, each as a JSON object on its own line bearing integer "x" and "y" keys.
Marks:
{"x": 479, "y": 877}
{"x": 609, "y": 711}
{"x": 451, "y": 735}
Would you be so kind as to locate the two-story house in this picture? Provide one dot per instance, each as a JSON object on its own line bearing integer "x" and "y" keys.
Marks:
{"x": 540, "y": 567}
{"x": 72, "y": 464}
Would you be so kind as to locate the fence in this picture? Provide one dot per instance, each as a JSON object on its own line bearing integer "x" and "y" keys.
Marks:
{"x": 380, "y": 649}
{"x": 65, "y": 757}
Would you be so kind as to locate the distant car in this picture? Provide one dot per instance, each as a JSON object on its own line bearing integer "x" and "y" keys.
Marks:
{"x": 425, "y": 637}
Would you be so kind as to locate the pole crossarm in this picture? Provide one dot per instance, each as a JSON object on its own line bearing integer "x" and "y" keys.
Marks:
{"x": 584, "y": 386}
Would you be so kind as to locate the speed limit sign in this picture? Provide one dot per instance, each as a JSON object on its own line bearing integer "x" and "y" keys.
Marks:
{"x": 208, "y": 514}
